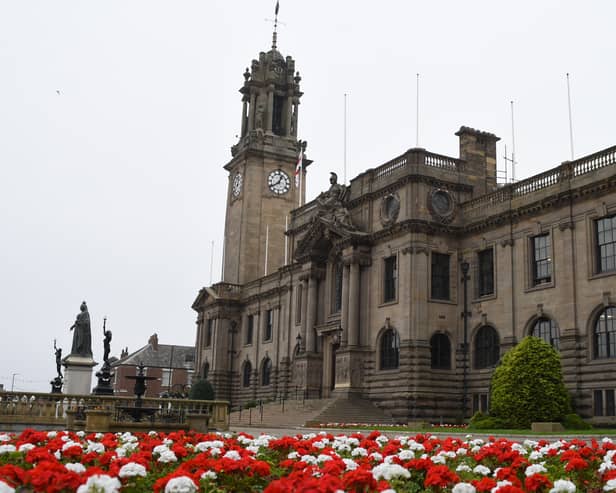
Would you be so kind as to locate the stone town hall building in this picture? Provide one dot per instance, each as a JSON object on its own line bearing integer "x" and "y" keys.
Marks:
{"x": 364, "y": 295}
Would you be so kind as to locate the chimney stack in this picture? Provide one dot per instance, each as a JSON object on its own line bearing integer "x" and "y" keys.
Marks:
{"x": 153, "y": 341}
{"x": 478, "y": 149}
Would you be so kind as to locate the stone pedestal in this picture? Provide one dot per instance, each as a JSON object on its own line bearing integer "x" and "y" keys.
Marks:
{"x": 78, "y": 374}
{"x": 98, "y": 420}
{"x": 309, "y": 369}
{"x": 349, "y": 372}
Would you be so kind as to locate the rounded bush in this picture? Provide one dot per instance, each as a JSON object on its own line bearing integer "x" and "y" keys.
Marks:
{"x": 202, "y": 390}
{"x": 528, "y": 385}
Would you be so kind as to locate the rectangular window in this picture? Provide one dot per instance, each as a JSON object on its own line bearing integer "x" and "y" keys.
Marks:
{"x": 390, "y": 277}
{"x": 166, "y": 377}
{"x": 606, "y": 244}
{"x": 485, "y": 277}
{"x": 298, "y": 305}
{"x": 250, "y": 325}
{"x": 337, "y": 287}
{"x": 440, "y": 276}
{"x": 542, "y": 259}
{"x": 480, "y": 403}
{"x": 269, "y": 325}
{"x": 277, "y": 126}
{"x": 610, "y": 407}
{"x": 598, "y": 402}
{"x": 208, "y": 332}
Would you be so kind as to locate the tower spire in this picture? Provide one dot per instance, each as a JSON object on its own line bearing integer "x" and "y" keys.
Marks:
{"x": 275, "y": 34}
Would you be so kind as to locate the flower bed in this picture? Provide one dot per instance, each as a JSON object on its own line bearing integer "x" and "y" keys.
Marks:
{"x": 323, "y": 462}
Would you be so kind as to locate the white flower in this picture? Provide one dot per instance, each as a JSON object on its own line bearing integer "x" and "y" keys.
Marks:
{"x": 463, "y": 488}
{"x": 606, "y": 440}
{"x": 413, "y": 445}
{"x": 461, "y": 451}
{"x": 7, "y": 449}
{"x": 535, "y": 455}
{"x": 80, "y": 433}
{"x": 610, "y": 485}
{"x": 324, "y": 458}
{"x": 203, "y": 446}
{"x": 381, "y": 439}
{"x": 24, "y": 447}
{"x": 209, "y": 475}
{"x": 359, "y": 451}
{"x": 159, "y": 449}
{"x": 215, "y": 452}
{"x": 500, "y": 484}
{"x": 100, "y": 483}
{"x": 389, "y": 471}
{"x": 293, "y": 455}
{"x": 70, "y": 444}
{"x": 563, "y": 486}
{"x": 350, "y": 464}
{"x": 463, "y": 468}
{"x": 309, "y": 459}
{"x": 77, "y": 467}
{"x": 233, "y": 455}
{"x": 95, "y": 447}
{"x": 481, "y": 469}
{"x": 50, "y": 434}
{"x": 376, "y": 456}
{"x": 5, "y": 488}
{"x": 167, "y": 456}
{"x": 438, "y": 459}
{"x": 253, "y": 449}
{"x": 57, "y": 454}
{"x": 535, "y": 469}
{"x": 181, "y": 484}
{"x": 98, "y": 435}
{"x": 132, "y": 469}
{"x": 319, "y": 444}
{"x": 406, "y": 454}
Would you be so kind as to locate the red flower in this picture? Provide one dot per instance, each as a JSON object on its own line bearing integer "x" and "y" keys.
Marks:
{"x": 440, "y": 476}
{"x": 536, "y": 482}
{"x": 484, "y": 484}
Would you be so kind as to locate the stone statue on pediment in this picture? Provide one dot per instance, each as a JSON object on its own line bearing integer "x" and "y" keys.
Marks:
{"x": 331, "y": 205}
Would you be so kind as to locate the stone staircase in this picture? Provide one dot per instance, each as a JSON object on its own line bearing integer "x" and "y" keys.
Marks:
{"x": 295, "y": 414}
{"x": 310, "y": 412}
{"x": 352, "y": 410}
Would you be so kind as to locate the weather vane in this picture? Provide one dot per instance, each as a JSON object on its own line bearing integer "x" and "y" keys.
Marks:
{"x": 275, "y": 21}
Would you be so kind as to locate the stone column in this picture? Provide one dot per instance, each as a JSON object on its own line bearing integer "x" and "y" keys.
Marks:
{"x": 344, "y": 316}
{"x": 353, "y": 315}
{"x": 289, "y": 114}
{"x": 296, "y": 108}
{"x": 311, "y": 316}
{"x": 251, "y": 112}
{"x": 270, "y": 108}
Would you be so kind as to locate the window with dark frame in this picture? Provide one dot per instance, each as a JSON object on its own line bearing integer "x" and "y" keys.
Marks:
{"x": 209, "y": 332}
{"x": 610, "y": 404}
{"x": 547, "y": 330}
{"x": 440, "y": 351}
{"x": 598, "y": 402}
{"x": 440, "y": 276}
{"x": 605, "y": 334}
{"x": 250, "y": 326}
{"x": 269, "y": 325}
{"x": 266, "y": 372}
{"x": 277, "y": 125}
{"x": 389, "y": 279}
{"x": 390, "y": 350}
{"x": 606, "y": 244}
{"x": 487, "y": 347}
{"x": 542, "y": 259}
{"x": 246, "y": 374}
{"x": 337, "y": 287}
{"x": 485, "y": 278}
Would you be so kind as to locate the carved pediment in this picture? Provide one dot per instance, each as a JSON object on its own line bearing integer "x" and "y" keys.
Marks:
{"x": 324, "y": 234}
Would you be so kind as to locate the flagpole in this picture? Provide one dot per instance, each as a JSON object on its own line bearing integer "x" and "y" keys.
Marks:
{"x": 513, "y": 146}
{"x": 211, "y": 261}
{"x": 266, "y": 246}
{"x": 345, "y": 141}
{"x": 570, "y": 118}
{"x": 286, "y": 240}
{"x": 417, "y": 115}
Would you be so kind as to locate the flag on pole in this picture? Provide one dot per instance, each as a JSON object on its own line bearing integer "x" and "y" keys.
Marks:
{"x": 277, "y": 7}
{"x": 298, "y": 168}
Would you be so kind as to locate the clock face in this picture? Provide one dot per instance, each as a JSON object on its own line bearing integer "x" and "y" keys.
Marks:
{"x": 237, "y": 184}
{"x": 279, "y": 182}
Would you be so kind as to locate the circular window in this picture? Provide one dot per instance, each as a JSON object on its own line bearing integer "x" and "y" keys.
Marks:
{"x": 442, "y": 205}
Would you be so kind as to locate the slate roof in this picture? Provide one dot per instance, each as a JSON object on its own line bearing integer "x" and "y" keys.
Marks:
{"x": 183, "y": 357}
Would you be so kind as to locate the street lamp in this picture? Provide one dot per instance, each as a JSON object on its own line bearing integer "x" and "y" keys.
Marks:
{"x": 465, "y": 278}
{"x": 13, "y": 381}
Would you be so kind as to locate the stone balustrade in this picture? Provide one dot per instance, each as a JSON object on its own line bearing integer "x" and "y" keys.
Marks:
{"x": 52, "y": 411}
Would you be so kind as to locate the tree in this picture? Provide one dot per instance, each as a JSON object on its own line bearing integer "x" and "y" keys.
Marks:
{"x": 202, "y": 390}
{"x": 528, "y": 385}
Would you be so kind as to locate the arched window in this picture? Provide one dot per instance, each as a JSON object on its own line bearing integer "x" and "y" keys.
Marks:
{"x": 390, "y": 350}
{"x": 605, "y": 334}
{"x": 440, "y": 350}
{"x": 266, "y": 372}
{"x": 546, "y": 329}
{"x": 246, "y": 374}
{"x": 487, "y": 347}
{"x": 206, "y": 370}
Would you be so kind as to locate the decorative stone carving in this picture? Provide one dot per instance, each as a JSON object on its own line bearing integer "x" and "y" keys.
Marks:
{"x": 390, "y": 208}
{"x": 441, "y": 205}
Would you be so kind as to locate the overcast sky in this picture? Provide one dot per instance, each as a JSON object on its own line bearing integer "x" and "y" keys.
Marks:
{"x": 116, "y": 118}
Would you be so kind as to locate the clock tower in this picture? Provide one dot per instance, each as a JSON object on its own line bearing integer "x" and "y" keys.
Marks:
{"x": 261, "y": 185}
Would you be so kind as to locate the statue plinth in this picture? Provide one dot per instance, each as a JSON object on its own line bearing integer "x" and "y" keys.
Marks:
{"x": 78, "y": 374}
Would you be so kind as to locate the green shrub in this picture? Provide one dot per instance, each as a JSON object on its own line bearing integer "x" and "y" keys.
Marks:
{"x": 250, "y": 404}
{"x": 202, "y": 390}
{"x": 574, "y": 422}
{"x": 528, "y": 385}
{"x": 481, "y": 421}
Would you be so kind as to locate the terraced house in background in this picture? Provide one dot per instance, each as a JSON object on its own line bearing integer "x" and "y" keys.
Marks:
{"x": 364, "y": 294}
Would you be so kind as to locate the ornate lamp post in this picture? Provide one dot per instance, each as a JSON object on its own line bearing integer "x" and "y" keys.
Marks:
{"x": 465, "y": 266}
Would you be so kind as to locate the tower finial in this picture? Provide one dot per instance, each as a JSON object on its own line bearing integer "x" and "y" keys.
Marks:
{"x": 275, "y": 34}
